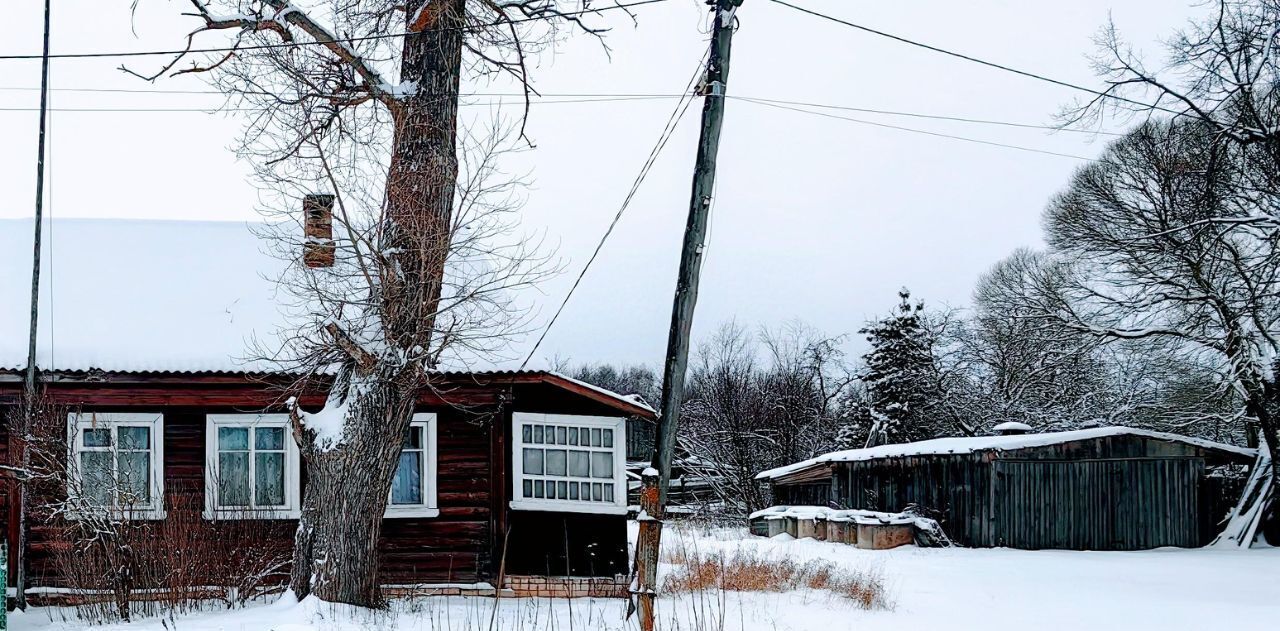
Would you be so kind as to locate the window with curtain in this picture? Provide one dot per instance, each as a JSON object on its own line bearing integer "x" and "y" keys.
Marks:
{"x": 252, "y": 467}
{"x": 117, "y": 463}
{"x": 413, "y": 488}
{"x": 569, "y": 463}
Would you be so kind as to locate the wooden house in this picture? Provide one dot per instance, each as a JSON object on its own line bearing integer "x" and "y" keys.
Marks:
{"x": 143, "y": 335}
{"x": 1108, "y": 488}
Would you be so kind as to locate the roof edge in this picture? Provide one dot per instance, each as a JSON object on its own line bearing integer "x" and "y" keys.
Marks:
{"x": 1024, "y": 441}
{"x": 620, "y": 402}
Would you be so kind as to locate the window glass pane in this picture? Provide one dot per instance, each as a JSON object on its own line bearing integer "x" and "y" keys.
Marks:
{"x": 573, "y": 435}
{"x": 268, "y": 479}
{"x": 595, "y": 437}
{"x": 134, "y": 437}
{"x": 551, "y": 490}
{"x": 528, "y": 487}
{"x": 406, "y": 487}
{"x": 601, "y": 464}
{"x": 555, "y": 462}
{"x": 268, "y": 438}
{"x": 579, "y": 464}
{"x": 527, "y": 434}
{"x": 608, "y": 492}
{"x": 562, "y": 489}
{"x": 573, "y": 490}
{"x": 561, "y": 435}
{"x": 597, "y": 491}
{"x": 97, "y": 437}
{"x": 233, "y": 438}
{"x": 135, "y": 477}
{"x": 413, "y": 439}
{"x": 95, "y": 477}
{"x": 533, "y": 462}
{"x": 607, "y": 439}
{"x": 537, "y": 433}
{"x": 537, "y": 488}
{"x": 233, "y": 478}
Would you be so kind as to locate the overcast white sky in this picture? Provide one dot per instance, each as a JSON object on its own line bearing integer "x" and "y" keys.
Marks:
{"x": 816, "y": 219}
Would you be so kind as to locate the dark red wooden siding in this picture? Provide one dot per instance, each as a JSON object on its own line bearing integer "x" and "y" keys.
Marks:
{"x": 463, "y": 544}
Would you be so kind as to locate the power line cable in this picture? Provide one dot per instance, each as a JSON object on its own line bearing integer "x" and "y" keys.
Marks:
{"x": 27, "y": 88}
{"x": 557, "y": 98}
{"x": 667, "y": 131}
{"x": 957, "y": 119}
{"x": 216, "y": 109}
{"x": 991, "y": 64}
{"x": 340, "y": 40}
{"x": 917, "y": 131}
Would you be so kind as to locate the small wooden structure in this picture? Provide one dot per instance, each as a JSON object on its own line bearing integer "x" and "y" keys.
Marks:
{"x": 866, "y": 529}
{"x": 1110, "y": 488}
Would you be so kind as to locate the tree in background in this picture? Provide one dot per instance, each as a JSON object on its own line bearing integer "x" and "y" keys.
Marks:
{"x": 903, "y": 398}
{"x": 758, "y": 401}
{"x": 1221, "y": 71}
{"x": 1147, "y": 251}
{"x": 627, "y": 380}
{"x": 632, "y": 381}
{"x": 1018, "y": 363}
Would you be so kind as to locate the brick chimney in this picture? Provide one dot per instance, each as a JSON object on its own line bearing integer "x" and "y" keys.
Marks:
{"x": 317, "y": 227}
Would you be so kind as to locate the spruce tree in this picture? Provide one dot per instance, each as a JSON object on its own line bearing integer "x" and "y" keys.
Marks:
{"x": 898, "y": 379}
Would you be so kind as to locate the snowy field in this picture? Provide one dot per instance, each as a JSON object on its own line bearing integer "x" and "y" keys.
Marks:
{"x": 952, "y": 588}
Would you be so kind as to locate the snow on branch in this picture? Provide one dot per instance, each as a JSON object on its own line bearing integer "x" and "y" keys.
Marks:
{"x": 280, "y": 17}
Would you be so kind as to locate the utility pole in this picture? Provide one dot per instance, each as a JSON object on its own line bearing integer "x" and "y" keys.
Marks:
{"x": 29, "y": 389}
{"x": 657, "y": 478}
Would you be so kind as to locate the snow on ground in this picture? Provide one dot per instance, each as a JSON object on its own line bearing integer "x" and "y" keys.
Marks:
{"x": 957, "y": 588}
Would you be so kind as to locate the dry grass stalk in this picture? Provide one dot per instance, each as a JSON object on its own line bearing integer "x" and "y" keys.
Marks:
{"x": 749, "y": 571}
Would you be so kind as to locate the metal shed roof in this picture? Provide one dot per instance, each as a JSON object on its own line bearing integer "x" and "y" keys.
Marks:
{"x": 941, "y": 446}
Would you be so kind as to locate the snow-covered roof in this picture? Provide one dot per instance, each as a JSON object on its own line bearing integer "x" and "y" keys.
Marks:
{"x": 939, "y": 446}
{"x": 831, "y": 514}
{"x": 1012, "y": 426}
{"x": 126, "y": 295}
{"x": 137, "y": 295}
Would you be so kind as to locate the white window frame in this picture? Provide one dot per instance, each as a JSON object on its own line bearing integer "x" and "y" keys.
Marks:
{"x": 429, "y": 507}
{"x": 292, "y": 508}
{"x": 617, "y": 424}
{"x": 77, "y": 421}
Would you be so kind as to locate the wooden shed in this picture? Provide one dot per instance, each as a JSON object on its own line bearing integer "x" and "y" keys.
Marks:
{"x": 1110, "y": 488}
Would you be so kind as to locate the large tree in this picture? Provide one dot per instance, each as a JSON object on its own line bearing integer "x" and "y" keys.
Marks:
{"x": 1018, "y": 363}
{"x": 359, "y": 98}
{"x": 1148, "y": 249}
{"x": 1222, "y": 71}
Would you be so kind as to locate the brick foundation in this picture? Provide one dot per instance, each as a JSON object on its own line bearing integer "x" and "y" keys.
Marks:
{"x": 568, "y": 586}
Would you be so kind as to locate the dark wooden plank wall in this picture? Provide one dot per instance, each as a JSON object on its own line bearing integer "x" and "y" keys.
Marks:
{"x": 955, "y": 490}
{"x": 807, "y": 494}
{"x": 641, "y": 434}
{"x": 958, "y": 490}
{"x": 453, "y": 547}
{"x": 463, "y": 544}
{"x": 1117, "y": 504}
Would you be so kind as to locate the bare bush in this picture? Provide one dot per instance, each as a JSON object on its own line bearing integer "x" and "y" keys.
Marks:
{"x": 751, "y": 571}
{"x": 130, "y": 556}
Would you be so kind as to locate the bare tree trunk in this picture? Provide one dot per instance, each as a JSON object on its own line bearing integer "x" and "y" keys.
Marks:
{"x": 335, "y": 555}
{"x": 1256, "y": 405}
{"x": 336, "y": 545}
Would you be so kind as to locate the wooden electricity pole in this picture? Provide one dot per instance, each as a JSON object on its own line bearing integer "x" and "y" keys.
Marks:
{"x": 18, "y": 554}
{"x": 657, "y": 478}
